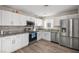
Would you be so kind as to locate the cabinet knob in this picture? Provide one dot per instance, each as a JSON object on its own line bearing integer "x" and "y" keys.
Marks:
{"x": 13, "y": 41}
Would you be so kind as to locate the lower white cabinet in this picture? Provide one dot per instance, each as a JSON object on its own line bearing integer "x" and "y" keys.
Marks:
{"x": 39, "y": 35}
{"x": 46, "y": 36}
{"x": 14, "y": 42}
{"x": 24, "y": 39}
{"x": 7, "y": 44}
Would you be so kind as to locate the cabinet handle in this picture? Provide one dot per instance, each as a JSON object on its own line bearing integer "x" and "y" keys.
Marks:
{"x": 13, "y": 41}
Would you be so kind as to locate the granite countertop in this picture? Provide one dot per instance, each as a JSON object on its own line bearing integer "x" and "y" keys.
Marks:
{"x": 4, "y": 35}
{"x": 49, "y": 31}
{"x": 10, "y": 34}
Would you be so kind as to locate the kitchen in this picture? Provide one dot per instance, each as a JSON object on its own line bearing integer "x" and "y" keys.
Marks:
{"x": 39, "y": 29}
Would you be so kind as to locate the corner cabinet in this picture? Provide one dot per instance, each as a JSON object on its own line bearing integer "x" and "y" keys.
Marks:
{"x": 44, "y": 35}
{"x": 14, "y": 42}
{"x": 47, "y": 36}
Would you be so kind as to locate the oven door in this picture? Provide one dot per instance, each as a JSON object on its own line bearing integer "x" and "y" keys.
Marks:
{"x": 32, "y": 36}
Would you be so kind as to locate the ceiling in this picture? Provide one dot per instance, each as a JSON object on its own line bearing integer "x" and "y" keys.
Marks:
{"x": 42, "y": 10}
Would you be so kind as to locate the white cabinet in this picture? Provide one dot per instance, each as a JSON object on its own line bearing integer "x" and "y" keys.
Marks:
{"x": 17, "y": 42}
{"x": 22, "y": 20}
{"x": 22, "y": 39}
{"x": 38, "y": 22}
{"x": 39, "y": 35}
{"x": 12, "y": 19}
{"x": 10, "y": 44}
{"x": 0, "y": 17}
{"x": 14, "y": 42}
{"x": 5, "y": 18}
{"x": 25, "y": 39}
{"x": 7, "y": 44}
{"x": 46, "y": 36}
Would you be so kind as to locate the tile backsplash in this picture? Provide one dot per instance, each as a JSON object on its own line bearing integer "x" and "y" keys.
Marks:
{"x": 12, "y": 29}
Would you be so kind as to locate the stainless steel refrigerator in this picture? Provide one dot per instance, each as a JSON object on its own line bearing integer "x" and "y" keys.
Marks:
{"x": 70, "y": 33}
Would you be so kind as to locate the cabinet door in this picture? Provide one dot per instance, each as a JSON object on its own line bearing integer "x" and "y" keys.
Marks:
{"x": 20, "y": 20}
{"x": 17, "y": 42}
{"x": 23, "y": 20}
{"x": 65, "y": 41}
{"x": 0, "y": 17}
{"x": 5, "y": 18}
{"x": 21, "y": 40}
{"x": 14, "y": 19}
{"x": 7, "y": 44}
{"x": 25, "y": 39}
{"x": 47, "y": 36}
{"x": 38, "y": 22}
{"x": 75, "y": 43}
{"x": 39, "y": 35}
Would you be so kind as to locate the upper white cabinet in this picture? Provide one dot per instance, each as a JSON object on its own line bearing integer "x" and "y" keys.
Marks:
{"x": 0, "y": 17}
{"x": 38, "y": 22}
{"x": 12, "y": 19}
{"x": 22, "y": 20}
{"x": 6, "y": 18}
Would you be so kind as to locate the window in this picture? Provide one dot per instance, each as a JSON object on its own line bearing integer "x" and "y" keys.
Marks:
{"x": 48, "y": 24}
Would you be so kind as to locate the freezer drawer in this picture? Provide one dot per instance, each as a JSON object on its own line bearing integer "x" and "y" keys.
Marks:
{"x": 65, "y": 41}
{"x": 75, "y": 43}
